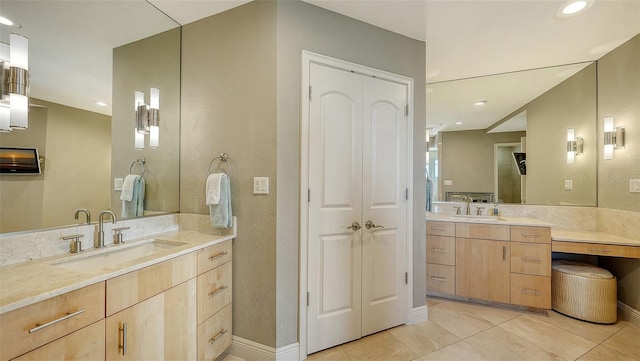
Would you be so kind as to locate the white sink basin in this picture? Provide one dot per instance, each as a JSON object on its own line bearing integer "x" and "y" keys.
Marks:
{"x": 115, "y": 255}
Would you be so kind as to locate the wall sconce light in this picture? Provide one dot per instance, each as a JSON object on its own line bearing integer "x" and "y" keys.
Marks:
{"x": 147, "y": 118}
{"x": 14, "y": 106}
{"x": 613, "y": 137}
{"x": 574, "y": 145}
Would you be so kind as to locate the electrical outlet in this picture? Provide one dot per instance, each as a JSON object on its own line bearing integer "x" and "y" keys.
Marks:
{"x": 260, "y": 185}
{"x": 117, "y": 184}
{"x": 448, "y": 182}
{"x": 568, "y": 184}
{"x": 634, "y": 185}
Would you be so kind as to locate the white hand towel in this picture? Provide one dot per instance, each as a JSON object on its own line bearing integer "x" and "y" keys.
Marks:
{"x": 127, "y": 187}
{"x": 213, "y": 189}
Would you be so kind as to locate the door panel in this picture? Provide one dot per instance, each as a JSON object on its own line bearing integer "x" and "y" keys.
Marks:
{"x": 336, "y": 254}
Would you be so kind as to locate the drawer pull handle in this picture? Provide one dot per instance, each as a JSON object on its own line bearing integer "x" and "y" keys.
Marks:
{"x": 221, "y": 254}
{"x": 217, "y": 337}
{"x": 534, "y": 260}
{"x": 437, "y": 278}
{"x": 123, "y": 331}
{"x": 438, "y": 228}
{"x": 504, "y": 253}
{"x": 529, "y": 235}
{"x": 66, "y": 316}
{"x": 595, "y": 250}
{"x": 530, "y": 292}
{"x": 217, "y": 290}
{"x": 440, "y": 250}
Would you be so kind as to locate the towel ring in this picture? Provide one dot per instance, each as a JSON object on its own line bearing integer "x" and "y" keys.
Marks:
{"x": 224, "y": 158}
{"x": 142, "y": 162}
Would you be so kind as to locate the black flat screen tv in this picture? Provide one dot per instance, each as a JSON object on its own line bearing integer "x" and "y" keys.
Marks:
{"x": 521, "y": 162}
{"x": 19, "y": 161}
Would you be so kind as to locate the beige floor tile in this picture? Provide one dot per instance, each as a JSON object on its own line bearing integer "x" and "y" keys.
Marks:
{"x": 379, "y": 346}
{"x": 493, "y": 314}
{"x": 432, "y": 301}
{"x": 550, "y": 337}
{"x": 332, "y": 354}
{"x": 457, "y": 321}
{"x": 604, "y": 353}
{"x": 458, "y": 351}
{"x": 423, "y": 338}
{"x": 498, "y": 344}
{"x": 591, "y": 331}
{"x": 627, "y": 341}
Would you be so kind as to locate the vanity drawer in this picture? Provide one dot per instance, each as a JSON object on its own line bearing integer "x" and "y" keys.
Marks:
{"x": 530, "y": 234}
{"x": 214, "y": 335}
{"x": 32, "y": 326}
{"x": 214, "y": 291}
{"x": 441, "y": 278}
{"x": 133, "y": 287}
{"x": 213, "y": 256}
{"x": 531, "y": 291}
{"x": 441, "y": 228}
{"x": 483, "y": 231}
{"x": 441, "y": 250}
{"x": 596, "y": 249}
{"x": 531, "y": 258}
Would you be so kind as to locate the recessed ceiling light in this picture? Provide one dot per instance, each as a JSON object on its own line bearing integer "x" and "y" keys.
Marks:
{"x": 8, "y": 22}
{"x": 102, "y": 104}
{"x": 573, "y": 8}
{"x": 480, "y": 102}
{"x": 458, "y": 123}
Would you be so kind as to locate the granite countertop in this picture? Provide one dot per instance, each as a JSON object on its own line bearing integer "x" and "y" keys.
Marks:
{"x": 560, "y": 235}
{"x": 497, "y": 220}
{"x": 29, "y": 282}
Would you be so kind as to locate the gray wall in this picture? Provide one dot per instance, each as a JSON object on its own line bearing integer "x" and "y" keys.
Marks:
{"x": 305, "y": 27}
{"x": 229, "y": 105}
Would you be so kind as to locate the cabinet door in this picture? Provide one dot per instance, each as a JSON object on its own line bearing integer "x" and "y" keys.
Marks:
{"x": 84, "y": 344}
{"x": 160, "y": 328}
{"x": 483, "y": 269}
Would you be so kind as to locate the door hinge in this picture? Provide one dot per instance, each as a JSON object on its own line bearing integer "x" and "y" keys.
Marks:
{"x": 307, "y": 299}
{"x": 406, "y": 110}
{"x": 309, "y": 92}
{"x": 406, "y": 194}
{"x": 309, "y": 195}
{"x": 406, "y": 278}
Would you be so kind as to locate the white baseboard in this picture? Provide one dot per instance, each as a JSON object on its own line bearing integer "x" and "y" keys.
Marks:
{"x": 253, "y": 351}
{"x": 418, "y": 315}
{"x": 288, "y": 353}
{"x": 629, "y": 314}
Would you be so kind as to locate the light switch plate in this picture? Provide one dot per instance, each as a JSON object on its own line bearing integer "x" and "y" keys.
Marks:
{"x": 448, "y": 182}
{"x": 568, "y": 184}
{"x": 117, "y": 184}
{"x": 634, "y": 185}
{"x": 260, "y": 185}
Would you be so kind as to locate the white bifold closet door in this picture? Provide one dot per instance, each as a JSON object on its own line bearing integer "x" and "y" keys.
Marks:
{"x": 358, "y": 151}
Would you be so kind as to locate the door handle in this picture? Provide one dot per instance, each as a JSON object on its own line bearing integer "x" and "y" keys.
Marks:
{"x": 370, "y": 225}
{"x": 354, "y": 226}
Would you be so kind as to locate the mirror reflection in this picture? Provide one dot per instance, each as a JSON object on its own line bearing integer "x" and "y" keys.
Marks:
{"x": 86, "y": 60}
{"x": 481, "y": 129}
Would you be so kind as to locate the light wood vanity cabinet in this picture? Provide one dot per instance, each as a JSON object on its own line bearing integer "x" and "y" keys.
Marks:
{"x": 214, "y": 300}
{"x": 491, "y": 262}
{"x": 84, "y": 344}
{"x": 30, "y": 327}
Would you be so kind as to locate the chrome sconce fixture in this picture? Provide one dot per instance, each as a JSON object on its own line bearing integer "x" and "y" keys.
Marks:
{"x": 14, "y": 106}
{"x": 147, "y": 119}
{"x": 575, "y": 145}
{"x": 613, "y": 137}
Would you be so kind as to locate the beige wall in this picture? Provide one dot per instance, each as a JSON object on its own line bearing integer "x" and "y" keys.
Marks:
{"x": 618, "y": 96}
{"x": 151, "y": 62}
{"x": 571, "y": 104}
{"x": 76, "y": 147}
{"x": 229, "y": 105}
{"x": 468, "y": 157}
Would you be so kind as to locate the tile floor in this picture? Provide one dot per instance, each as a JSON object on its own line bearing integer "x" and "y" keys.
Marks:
{"x": 462, "y": 331}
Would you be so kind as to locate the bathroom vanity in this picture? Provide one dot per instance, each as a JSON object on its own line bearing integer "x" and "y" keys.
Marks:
{"x": 504, "y": 260}
{"x": 172, "y": 303}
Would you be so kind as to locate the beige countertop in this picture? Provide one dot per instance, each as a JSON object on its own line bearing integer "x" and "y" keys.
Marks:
{"x": 26, "y": 283}
{"x": 560, "y": 235}
{"x": 497, "y": 220}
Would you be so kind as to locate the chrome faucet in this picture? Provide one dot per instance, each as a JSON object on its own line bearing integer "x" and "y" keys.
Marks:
{"x": 85, "y": 211}
{"x": 468, "y": 200}
{"x": 99, "y": 241}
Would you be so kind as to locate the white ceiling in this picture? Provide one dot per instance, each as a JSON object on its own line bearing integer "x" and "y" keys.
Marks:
{"x": 463, "y": 38}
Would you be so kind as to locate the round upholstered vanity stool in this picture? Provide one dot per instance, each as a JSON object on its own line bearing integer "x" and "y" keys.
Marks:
{"x": 583, "y": 291}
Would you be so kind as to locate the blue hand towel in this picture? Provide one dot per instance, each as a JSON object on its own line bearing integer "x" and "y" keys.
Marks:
{"x": 221, "y": 214}
{"x": 134, "y": 207}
